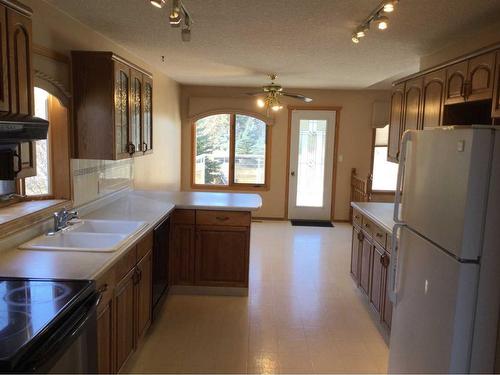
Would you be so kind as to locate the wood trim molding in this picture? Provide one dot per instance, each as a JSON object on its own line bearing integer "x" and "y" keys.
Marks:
{"x": 50, "y": 53}
{"x": 447, "y": 63}
{"x": 337, "y": 110}
{"x": 231, "y": 111}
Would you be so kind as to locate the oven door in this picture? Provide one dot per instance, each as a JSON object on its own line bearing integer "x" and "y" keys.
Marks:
{"x": 72, "y": 347}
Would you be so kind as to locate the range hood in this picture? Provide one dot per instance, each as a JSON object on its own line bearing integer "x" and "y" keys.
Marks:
{"x": 22, "y": 128}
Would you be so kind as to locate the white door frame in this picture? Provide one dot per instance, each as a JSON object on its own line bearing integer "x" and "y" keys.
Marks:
{"x": 330, "y": 173}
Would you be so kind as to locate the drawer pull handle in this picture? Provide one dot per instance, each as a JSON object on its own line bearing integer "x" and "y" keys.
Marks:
{"x": 356, "y": 217}
{"x": 367, "y": 225}
{"x": 222, "y": 218}
{"x": 103, "y": 288}
{"x": 379, "y": 235}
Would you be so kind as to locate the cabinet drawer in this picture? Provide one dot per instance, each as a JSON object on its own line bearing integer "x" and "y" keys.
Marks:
{"x": 125, "y": 264}
{"x": 145, "y": 245}
{"x": 230, "y": 218}
{"x": 379, "y": 235}
{"x": 105, "y": 285}
{"x": 368, "y": 226}
{"x": 356, "y": 217}
{"x": 183, "y": 217}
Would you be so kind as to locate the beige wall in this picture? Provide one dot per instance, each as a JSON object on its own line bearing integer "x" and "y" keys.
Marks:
{"x": 355, "y": 137}
{"x": 463, "y": 44}
{"x": 61, "y": 33}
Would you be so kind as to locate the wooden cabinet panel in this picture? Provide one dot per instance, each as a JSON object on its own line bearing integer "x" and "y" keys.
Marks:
{"x": 456, "y": 76}
{"x": 480, "y": 77}
{"x": 231, "y": 218}
{"x": 145, "y": 245}
{"x": 4, "y": 61}
{"x": 125, "y": 328}
{"x": 183, "y": 249}
{"x": 136, "y": 104}
{"x": 495, "y": 109}
{"x": 21, "y": 71}
{"x": 376, "y": 278}
{"x": 105, "y": 339}
{"x": 364, "y": 272}
{"x": 144, "y": 294}
{"x": 147, "y": 110}
{"x": 222, "y": 256}
{"x": 123, "y": 147}
{"x": 184, "y": 217}
{"x": 432, "y": 99}
{"x": 413, "y": 104}
{"x": 357, "y": 243}
{"x": 395, "y": 122}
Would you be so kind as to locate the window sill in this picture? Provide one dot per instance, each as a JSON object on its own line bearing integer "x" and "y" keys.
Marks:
{"x": 239, "y": 187}
{"x": 22, "y": 215}
{"x": 383, "y": 191}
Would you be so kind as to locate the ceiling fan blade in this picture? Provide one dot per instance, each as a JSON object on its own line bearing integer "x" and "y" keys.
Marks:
{"x": 254, "y": 93}
{"x": 297, "y": 96}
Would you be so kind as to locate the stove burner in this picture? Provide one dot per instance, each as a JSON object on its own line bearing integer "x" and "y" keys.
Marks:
{"x": 36, "y": 292}
{"x": 14, "y": 323}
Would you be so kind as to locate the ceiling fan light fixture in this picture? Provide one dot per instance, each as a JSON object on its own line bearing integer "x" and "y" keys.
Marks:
{"x": 276, "y": 107}
{"x": 261, "y": 103}
{"x": 157, "y": 3}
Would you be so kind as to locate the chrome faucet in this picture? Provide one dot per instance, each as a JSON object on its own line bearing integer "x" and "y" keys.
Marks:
{"x": 61, "y": 220}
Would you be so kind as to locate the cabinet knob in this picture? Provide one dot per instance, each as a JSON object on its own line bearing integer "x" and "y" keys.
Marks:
{"x": 131, "y": 148}
{"x": 222, "y": 218}
{"x": 144, "y": 146}
{"x": 379, "y": 235}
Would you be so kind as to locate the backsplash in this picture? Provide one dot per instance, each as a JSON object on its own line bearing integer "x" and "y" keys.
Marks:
{"x": 94, "y": 179}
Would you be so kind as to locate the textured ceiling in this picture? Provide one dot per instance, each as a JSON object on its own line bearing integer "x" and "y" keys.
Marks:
{"x": 307, "y": 42}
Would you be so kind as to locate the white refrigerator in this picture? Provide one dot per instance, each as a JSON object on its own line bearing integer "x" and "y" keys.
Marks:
{"x": 445, "y": 280}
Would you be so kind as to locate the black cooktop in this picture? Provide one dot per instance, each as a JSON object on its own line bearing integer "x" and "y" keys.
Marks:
{"x": 28, "y": 310}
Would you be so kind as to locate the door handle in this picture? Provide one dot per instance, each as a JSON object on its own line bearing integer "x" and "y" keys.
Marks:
{"x": 293, "y": 173}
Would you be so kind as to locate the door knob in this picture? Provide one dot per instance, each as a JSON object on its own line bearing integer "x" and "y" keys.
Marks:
{"x": 293, "y": 173}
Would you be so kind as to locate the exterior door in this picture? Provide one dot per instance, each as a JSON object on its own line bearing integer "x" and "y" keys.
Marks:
{"x": 311, "y": 164}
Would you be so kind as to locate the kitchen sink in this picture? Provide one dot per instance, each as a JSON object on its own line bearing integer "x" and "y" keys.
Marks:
{"x": 87, "y": 236}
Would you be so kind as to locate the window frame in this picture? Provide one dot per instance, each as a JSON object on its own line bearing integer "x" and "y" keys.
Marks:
{"x": 232, "y": 127}
{"x": 374, "y": 135}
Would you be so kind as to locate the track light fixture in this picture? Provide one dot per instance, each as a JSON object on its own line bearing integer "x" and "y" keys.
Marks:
{"x": 377, "y": 17}
{"x": 177, "y": 14}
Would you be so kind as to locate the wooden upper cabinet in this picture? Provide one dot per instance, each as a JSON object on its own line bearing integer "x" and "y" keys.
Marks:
{"x": 4, "y": 61}
{"x": 147, "y": 129}
{"x": 108, "y": 106}
{"x": 456, "y": 77}
{"x": 432, "y": 99}
{"x": 395, "y": 121}
{"x": 495, "y": 109}
{"x": 21, "y": 72}
{"x": 136, "y": 104}
{"x": 123, "y": 145}
{"x": 480, "y": 77}
{"x": 413, "y": 104}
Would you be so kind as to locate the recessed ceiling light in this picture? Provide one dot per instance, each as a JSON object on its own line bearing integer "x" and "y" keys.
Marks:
{"x": 157, "y": 3}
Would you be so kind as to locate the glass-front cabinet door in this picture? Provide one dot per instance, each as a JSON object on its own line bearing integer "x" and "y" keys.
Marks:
{"x": 136, "y": 111}
{"x": 123, "y": 147}
{"x": 147, "y": 122}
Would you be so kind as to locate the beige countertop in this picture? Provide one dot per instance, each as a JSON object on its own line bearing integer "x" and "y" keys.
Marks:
{"x": 149, "y": 206}
{"x": 380, "y": 213}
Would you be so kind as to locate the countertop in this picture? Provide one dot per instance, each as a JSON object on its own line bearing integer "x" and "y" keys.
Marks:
{"x": 380, "y": 213}
{"x": 148, "y": 206}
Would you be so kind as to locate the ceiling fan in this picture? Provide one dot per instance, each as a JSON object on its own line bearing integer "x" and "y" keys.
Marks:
{"x": 272, "y": 92}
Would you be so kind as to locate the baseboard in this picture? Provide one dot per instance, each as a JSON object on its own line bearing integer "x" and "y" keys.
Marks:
{"x": 208, "y": 290}
{"x": 269, "y": 218}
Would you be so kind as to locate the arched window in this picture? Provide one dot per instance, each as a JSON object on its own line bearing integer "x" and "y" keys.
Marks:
{"x": 230, "y": 150}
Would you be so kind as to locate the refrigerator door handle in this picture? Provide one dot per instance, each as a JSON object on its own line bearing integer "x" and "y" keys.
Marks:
{"x": 401, "y": 171}
{"x": 393, "y": 266}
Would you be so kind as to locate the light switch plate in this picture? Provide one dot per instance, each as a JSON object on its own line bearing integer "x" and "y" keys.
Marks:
{"x": 461, "y": 146}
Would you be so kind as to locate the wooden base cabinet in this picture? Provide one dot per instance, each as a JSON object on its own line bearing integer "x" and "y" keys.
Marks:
{"x": 124, "y": 312}
{"x": 210, "y": 248}
{"x": 370, "y": 259}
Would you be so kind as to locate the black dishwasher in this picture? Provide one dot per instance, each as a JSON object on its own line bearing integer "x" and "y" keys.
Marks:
{"x": 160, "y": 262}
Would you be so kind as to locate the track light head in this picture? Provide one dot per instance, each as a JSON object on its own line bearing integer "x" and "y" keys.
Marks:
{"x": 157, "y": 3}
{"x": 355, "y": 39}
{"x": 382, "y": 22}
{"x": 175, "y": 16}
{"x": 389, "y": 6}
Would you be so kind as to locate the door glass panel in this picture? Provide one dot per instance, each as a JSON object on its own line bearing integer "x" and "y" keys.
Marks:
{"x": 311, "y": 163}
{"x": 121, "y": 112}
{"x": 148, "y": 120}
{"x": 212, "y": 150}
{"x": 250, "y": 150}
{"x": 136, "y": 113}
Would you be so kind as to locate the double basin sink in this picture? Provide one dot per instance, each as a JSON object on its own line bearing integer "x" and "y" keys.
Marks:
{"x": 87, "y": 235}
